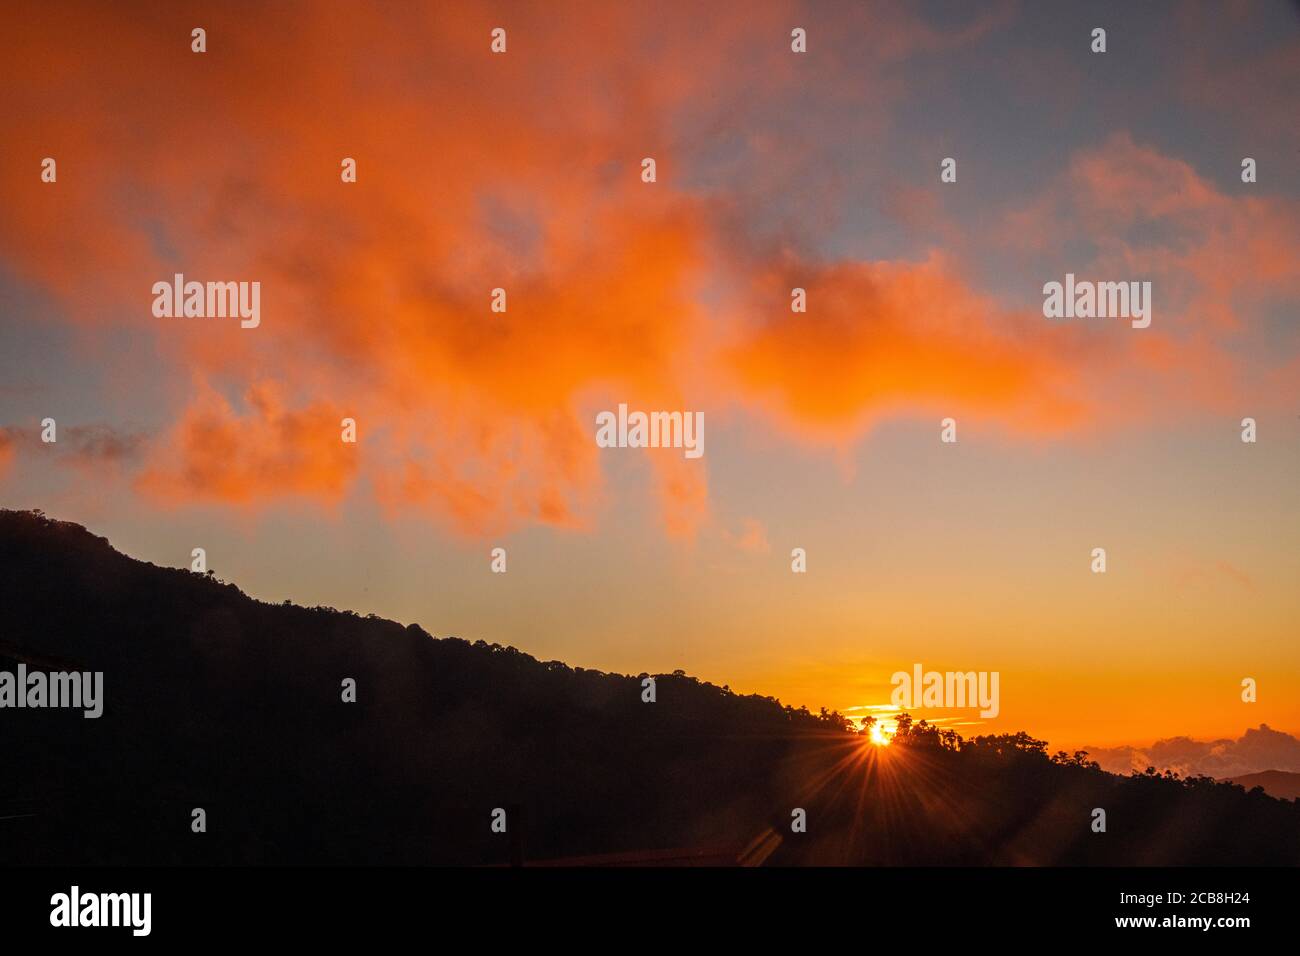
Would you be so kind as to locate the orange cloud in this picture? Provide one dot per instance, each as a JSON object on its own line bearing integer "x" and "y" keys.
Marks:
{"x": 752, "y": 537}
{"x": 1198, "y": 576}
{"x": 519, "y": 172}
{"x": 683, "y": 488}
{"x": 475, "y": 172}
{"x": 6, "y": 452}
{"x": 1212, "y": 254}
{"x": 217, "y": 454}
{"x": 881, "y": 337}
{"x": 1216, "y": 259}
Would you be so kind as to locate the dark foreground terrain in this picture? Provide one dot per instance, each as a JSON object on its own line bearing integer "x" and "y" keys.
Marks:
{"x": 217, "y": 701}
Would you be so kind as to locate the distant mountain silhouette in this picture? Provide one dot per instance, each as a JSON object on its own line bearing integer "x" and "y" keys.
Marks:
{"x": 1282, "y": 784}
{"x": 218, "y": 701}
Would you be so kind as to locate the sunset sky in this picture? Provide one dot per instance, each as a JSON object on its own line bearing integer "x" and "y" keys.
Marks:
{"x": 775, "y": 170}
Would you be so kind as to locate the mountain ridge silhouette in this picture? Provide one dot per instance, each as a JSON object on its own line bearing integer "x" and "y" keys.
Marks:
{"x": 1282, "y": 784}
{"x": 217, "y": 701}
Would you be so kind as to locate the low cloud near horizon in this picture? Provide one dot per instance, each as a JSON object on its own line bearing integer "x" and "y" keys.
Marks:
{"x": 1257, "y": 750}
